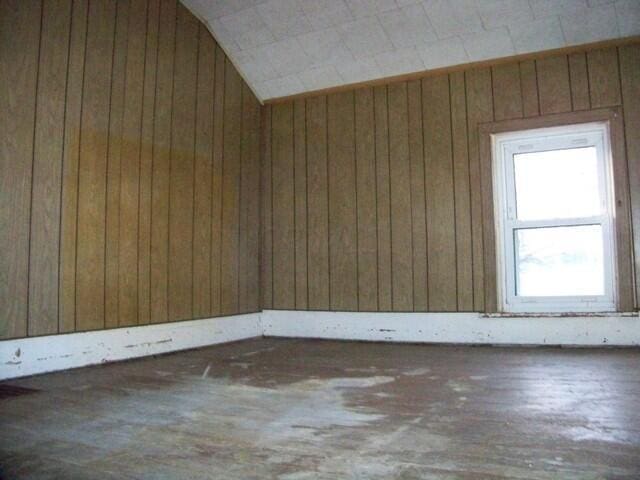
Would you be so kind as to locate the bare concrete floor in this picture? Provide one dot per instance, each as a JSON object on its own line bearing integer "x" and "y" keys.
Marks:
{"x": 295, "y": 409}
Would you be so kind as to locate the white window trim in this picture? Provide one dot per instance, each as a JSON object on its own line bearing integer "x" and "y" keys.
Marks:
{"x": 503, "y": 147}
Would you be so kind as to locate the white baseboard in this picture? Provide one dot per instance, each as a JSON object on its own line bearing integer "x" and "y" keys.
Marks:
{"x": 30, "y": 356}
{"x": 461, "y": 328}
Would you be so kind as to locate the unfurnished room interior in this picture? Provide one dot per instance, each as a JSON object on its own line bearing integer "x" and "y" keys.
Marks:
{"x": 320, "y": 239}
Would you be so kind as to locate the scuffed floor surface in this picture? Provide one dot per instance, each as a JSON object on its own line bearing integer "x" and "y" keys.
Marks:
{"x": 294, "y": 409}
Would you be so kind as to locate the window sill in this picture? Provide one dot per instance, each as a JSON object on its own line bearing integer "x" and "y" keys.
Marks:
{"x": 558, "y": 314}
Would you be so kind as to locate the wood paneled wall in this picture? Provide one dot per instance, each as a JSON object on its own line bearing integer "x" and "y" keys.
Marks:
{"x": 129, "y": 168}
{"x": 372, "y": 198}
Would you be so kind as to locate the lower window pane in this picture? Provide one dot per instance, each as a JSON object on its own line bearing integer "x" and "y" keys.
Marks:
{"x": 559, "y": 261}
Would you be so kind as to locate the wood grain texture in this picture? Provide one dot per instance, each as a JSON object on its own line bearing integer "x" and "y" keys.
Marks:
{"x": 232, "y": 124}
{"x": 112, "y": 225}
{"x": 115, "y": 133}
{"x": 462, "y": 192}
{"x": 19, "y": 52}
{"x": 479, "y": 109}
{"x": 266, "y": 258}
{"x": 182, "y": 167}
{"x": 130, "y": 165}
{"x": 622, "y": 213}
{"x": 300, "y": 202}
{"x": 630, "y": 81}
{"x": 604, "y": 79}
{"x": 400, "y": 181}
{"x": 343, "y": 236}
{"x": 146, "y": 163}
{"x": 216, "y": 183}
{"x": 93, "y": 167}
{"x": 47, "y": 168}
{"x": 507, "y": 91}
{"x": 366, "y": 201}
{"x": 159, "y": 284}
{"x": 418, "y": 198}
{"x": 579, "y": 82}
{"x": 249, "y": 203}
{"x": 381, "y": 116}
{"x": 529, "y": 86}
{"x": 70, "y": 162}
{"x": 318, "y": 202}
{"x": 553, "y": 84}
{"x": 202, "y": 202}
{"x": 440, "y": 198}
{"x": 445, "y": 193}
{"x": 253, "y": 199}
{"x": 284, "y": 294}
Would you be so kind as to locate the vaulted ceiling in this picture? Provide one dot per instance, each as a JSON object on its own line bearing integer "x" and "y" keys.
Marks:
{"x": 284, "y": 47}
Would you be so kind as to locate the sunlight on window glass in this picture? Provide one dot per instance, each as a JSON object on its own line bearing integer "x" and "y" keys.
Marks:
{"x": 557, "y": 184}
{"x": 558, "y": 261}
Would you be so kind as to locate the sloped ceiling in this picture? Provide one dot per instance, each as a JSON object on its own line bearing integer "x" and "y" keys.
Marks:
{"x": 284, "y": 47}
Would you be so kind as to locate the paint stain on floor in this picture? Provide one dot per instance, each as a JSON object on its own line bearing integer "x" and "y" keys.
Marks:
{"x": 295, "y": 409}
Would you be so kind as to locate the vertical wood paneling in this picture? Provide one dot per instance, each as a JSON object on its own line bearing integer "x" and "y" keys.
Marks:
{"x": 112, "y": 226}
{"x": 146, "y": 164}
{"x": 216, "y": 186}
{"x": 110, "y": 140}
{"x": 243, "y": 208}
{"x": 630, "y": 81}
{"x": 282, "y": 158}
{"x": 383, "y": 194}
{"x": 47, "y": 168}
{"x": 266, "y": 259}
{"x": 440, "y": 194}
{"x": 400, "y": 181}
{"x": 553, "y": 84}
{"x": 101, "y": 156}
{"x": 418, "y": 199}
{"x": 366, "y": 200}
{"x": 529, "y": 87}
{"x": 202, "y": 241}
{"x": 19, "y": 48}
{"x": 70, "y": 161}
{"x": 622, "y": 215}
{"x": 300, "y": 201}
{"x": 579, "y": 81}
{"x": 232, "y": 124}
{"x": 161, "y": 160}
{"x": 249, "y": 184}
{"x": 479, "y": 109}
{"x": 130, "y": 165}
{"x": 507, "y": 93}
{"x": 343, "y": 236}
{"x": 604, "y": 78}
{"x": 93, "y": 167}
{"x": 462, "y": 197}
{"x": 420, "y": 228}
{"x": 182, "y": 164}
{"x": 318, "y": 201}
{"x": 253, "y": 128}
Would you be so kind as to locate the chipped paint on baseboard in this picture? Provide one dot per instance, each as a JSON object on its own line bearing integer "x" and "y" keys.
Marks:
{"x": 458, "y": 328}
{"x": 30, "y": 356}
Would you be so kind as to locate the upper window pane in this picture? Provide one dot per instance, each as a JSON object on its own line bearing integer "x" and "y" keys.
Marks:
{"x": 557, "y": 184}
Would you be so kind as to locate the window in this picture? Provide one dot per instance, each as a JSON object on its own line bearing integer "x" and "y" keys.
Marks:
{"x": 555, "y": 244}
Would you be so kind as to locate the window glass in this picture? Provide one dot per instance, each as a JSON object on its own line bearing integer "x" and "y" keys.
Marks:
{"x": 559, "y": 261}
{"x": 557, "y": 184}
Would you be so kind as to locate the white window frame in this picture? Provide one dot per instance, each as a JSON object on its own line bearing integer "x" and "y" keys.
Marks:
{"x": 504, "y": 146}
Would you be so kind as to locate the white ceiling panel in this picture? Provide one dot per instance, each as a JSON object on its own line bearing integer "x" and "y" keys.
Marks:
{"x": 285, "y": 47}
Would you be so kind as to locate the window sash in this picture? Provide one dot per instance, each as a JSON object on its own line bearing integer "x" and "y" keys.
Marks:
{"x": 507, "y": 145}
